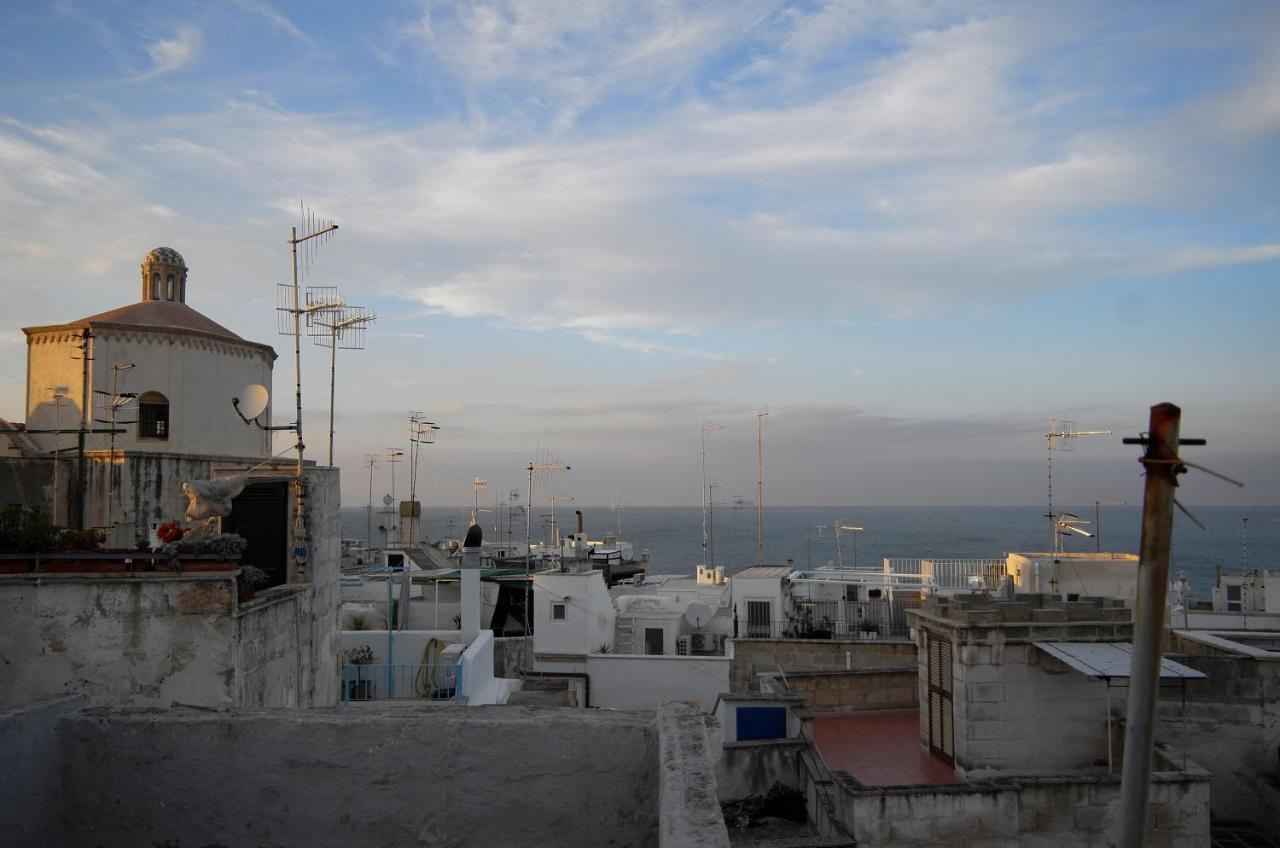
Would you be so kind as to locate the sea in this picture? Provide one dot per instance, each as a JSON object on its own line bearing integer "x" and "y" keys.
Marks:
{"x": 805, "y": 536}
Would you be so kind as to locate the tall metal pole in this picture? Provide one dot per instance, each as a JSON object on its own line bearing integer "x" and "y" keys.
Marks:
{"x": 297, "y": 355}
{"x": 86, "y": 400}
{"x": 760, "y": 487}
{"x": 1161, "y": 464}
{"x": 333, "y": 377}
{"x": 369, "y": 460}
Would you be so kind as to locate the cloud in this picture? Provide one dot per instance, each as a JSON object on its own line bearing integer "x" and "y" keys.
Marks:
{"x": 278, "y": 20}
{"x": 171, "y": 54}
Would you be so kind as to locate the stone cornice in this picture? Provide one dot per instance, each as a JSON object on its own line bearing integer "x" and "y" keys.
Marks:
{"x": 195, "y": 339}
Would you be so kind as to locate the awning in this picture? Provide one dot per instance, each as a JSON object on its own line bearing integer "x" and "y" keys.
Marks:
{"x": 1110, "y": 660}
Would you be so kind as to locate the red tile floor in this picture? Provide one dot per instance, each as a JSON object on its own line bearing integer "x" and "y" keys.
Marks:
{"x": 879, "y": 749}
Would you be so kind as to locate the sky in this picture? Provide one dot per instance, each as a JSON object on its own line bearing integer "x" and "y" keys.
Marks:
{"x": 915, "y": 233}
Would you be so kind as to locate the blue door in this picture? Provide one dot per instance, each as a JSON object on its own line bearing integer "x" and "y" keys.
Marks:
{"x": 762, "y": 723}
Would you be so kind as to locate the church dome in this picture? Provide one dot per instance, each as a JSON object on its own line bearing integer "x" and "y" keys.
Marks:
{"x": 165, "y": 256}
{"x": 164, "y": 275}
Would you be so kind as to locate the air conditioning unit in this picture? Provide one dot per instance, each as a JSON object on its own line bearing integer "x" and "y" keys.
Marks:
{"x": 682, "y": 646}
{"x": 700, "y": 641}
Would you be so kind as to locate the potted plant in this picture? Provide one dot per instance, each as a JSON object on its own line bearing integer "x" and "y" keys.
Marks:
{"x": 358, "y": 689}
{"x": 251, "y": 579}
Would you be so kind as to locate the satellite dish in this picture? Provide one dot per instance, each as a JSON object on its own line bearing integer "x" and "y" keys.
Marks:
{"x": 697, "y": 614}
{"x": 251, "y": 401}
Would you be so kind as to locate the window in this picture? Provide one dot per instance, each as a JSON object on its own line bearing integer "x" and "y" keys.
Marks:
{"x": 168, "y": 288}
{"x": 1235, "y": 598}
{"x": 759, "y": 622}
{"x": 153, "y": 416}
{"x": 558, "y": 612}
{"x": 155, "y": 286}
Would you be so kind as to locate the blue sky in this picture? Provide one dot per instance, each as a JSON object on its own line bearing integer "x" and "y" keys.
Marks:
{"x": 916, "y": 231}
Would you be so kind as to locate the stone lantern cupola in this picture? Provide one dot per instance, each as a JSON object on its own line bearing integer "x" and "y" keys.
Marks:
{"x": 164, "y": 276}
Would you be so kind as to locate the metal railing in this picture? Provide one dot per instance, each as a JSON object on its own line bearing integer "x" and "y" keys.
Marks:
{"x": 948, "y": 573}
{"x": 401, "y": 681}
{"x": 877, "y": 619}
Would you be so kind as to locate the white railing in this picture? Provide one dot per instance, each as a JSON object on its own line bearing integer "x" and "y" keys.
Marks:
{"x": 948, "y": 573}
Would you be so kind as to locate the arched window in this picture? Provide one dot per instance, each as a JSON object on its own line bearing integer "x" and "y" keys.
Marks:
{"x": 153, "y": 416}
{"x": 155, "y": 286}
{"x": 168, "y": 288}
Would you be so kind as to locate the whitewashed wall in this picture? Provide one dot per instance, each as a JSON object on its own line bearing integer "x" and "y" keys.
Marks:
{"x": 630, "y": 682}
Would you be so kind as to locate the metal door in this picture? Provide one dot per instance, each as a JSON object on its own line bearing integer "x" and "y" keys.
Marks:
{"x": 758, "y": 624}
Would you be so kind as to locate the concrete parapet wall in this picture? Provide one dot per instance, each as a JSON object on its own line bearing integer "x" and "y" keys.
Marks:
{"x": 145, "y": 639}
{"x": 752, "y": 657}
{"x": 31, "y": 780}
{"x": 752, "y": 768}
{"x": 870, "y": 689}
{"x": 1046, "y": 812}
{"x": 386, "y": 775}
{"x": 638, "y": 682}
{"x": 689, "y": 814}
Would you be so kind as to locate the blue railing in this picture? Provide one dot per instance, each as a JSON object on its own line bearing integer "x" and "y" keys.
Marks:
{"x": 407, "y": 681}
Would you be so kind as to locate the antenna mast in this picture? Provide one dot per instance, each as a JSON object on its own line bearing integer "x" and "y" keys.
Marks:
{"x": 1065, "y": 433}
{"x": 707, "y": 427}
{"x": 760, "y": 416}
{"x": 313, "y": 229}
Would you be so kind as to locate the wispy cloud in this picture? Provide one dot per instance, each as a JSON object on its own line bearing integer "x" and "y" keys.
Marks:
{"x": 278, "y": 20}
{"x": 173, "y": 53}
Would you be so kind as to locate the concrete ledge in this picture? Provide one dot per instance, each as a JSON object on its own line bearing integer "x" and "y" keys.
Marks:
{"x": 688, "y": 809}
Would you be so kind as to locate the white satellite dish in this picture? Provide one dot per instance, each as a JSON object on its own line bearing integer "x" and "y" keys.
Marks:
{"x": 251, "y": 401}
{"x": 697, "y": 614}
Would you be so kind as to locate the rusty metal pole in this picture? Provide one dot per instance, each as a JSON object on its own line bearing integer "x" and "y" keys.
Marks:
{"x": 1161, "y": 466}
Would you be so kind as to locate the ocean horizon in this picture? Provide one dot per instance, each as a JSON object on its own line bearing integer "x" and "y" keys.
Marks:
{"x": 805, "y": 536}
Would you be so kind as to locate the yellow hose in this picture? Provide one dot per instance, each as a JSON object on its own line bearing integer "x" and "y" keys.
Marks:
{"x": 425, "y": 682}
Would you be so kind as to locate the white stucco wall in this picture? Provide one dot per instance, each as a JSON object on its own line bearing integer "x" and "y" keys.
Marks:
{"x": 199, "y": 375}
{"x": 589, "y": 613}
{"x": 1087, "y": 575}
{"x": 632, "y": 682}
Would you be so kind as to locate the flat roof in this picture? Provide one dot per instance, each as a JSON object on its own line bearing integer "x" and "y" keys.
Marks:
{"x": 773, "y": 571}
{"x": 1108, "y": 660}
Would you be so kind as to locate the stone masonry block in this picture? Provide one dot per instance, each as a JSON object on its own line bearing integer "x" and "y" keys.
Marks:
{"x": 1049, "y": 614}
{"x": 985, "y": 692}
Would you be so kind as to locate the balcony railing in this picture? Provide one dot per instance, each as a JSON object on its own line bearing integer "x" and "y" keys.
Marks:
{"x": 407, "y": 681}
{"x": 948, "y": 574}
{"x": 872, "y": 619}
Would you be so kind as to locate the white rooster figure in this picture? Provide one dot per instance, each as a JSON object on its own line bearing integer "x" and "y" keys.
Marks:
{"x": 208, "y": 500}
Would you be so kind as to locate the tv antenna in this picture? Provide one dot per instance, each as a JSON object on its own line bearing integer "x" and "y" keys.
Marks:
{"x": 846, "y": 527}
{"x": 1062, "y": 436}
{"x": 617, "y": 511}
{"x": 370, "y": 459}
{"x": 334, "y": 324}
{"x": 544, "y": 468}
{"x": 705, "y": 428}
{"x": 760, "y": 417}
{"x": 113, "y": 402}
{"x": 421, "y": 432}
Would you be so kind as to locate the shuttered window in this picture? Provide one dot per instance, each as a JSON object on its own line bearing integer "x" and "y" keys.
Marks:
{"x": 941, "y": 729}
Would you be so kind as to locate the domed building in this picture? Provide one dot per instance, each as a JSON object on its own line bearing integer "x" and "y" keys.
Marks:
{"x": 170, "y": 373}
{"x": 183, "y": 367}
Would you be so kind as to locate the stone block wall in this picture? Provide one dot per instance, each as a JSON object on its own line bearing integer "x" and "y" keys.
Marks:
{"x": 753, "y": 657}
{"x": 846, "y": 691}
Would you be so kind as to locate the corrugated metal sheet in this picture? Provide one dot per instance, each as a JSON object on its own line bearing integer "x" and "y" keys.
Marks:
{"x": 1109, "y": 660}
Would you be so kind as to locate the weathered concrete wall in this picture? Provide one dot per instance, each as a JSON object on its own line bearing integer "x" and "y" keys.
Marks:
{"x": 636, "y": 682}
{"x": 1229, "y": 728}
{"x": 689, "y": 812}
{"x": 1050, "y": 812}
{"x": 268, "y": 655}
{"x": 319, "y": 634}
{"x": 385, "y": 775}
{"x": 31, "y": 780}
{"x": 511, "y": 656}
{"x": 752, "y": 768}
{"x": 29, "y": 480}
{"x": 870, "y": 689}
{"x": 751, "y": 657}
{"x": 146, "y": 639}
